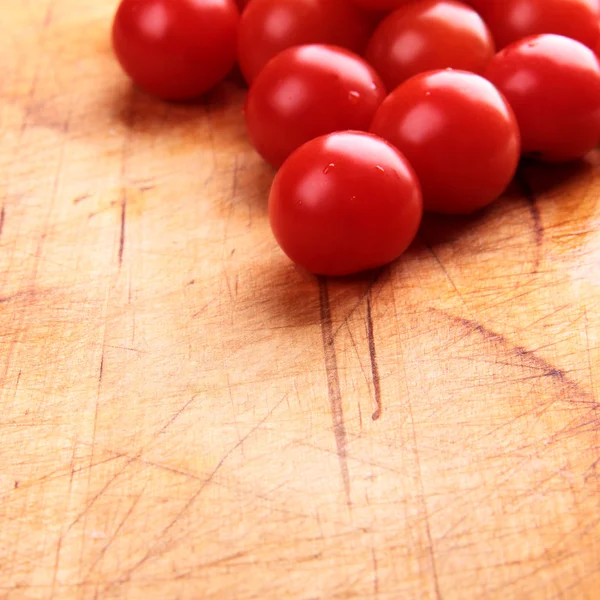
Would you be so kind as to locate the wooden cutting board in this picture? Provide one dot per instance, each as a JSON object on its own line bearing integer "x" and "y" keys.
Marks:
{"x": 186, "y": 415}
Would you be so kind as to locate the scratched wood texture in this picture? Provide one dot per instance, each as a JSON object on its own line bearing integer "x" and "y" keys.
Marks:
{"x": 185, "y": 415}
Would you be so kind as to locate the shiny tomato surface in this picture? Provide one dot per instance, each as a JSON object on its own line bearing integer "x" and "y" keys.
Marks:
{"x": 426, "y": 35}
{"x": 308, "y": 91}
{"x": 268, "y": 27}
{"x": 459, "y": 134}
{"x": 344, "y": 203}
{"x": 553, "y": 85}
{"x": 512, "y": 20}
{"x": 176, "y": 49}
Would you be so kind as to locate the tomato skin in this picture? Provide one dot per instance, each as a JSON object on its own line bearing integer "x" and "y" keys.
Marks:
{"x": 553, "y": 85}
{"x": 512, "y": 20}
{"x": 268, "y": 27}
{"x": 176, "y": 49}
{"x": 344, "y": 203}
{"x": 427, "y": 35}
{"x": 308, "y": 91}
{"x": 380, "y": 5}
{"x": 459, "y": 134}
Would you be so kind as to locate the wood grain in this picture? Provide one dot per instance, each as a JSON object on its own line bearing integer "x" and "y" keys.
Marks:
{"x": 184, "y": 414}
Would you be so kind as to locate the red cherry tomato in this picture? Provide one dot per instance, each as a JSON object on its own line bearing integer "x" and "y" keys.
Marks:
{"x": 380, "y": 5}
{"x": 427, "y": 35}
{"x": 512, "y": 20}
{"x": 269, "y": 26}
{"x": 344, "y": 203}
{"x": 176, "y": 49}
{"x": 458, "y": 133}
{"x": 308, "y": 91}
{"x": 553, "y": 85}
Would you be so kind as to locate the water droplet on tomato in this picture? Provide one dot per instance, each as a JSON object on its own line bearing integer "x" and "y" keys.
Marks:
{"x": 329, "y": 168}
{"x": 354, "y": 97}
{"x": 428, "y": 93}
{"x": 380, "y": 169}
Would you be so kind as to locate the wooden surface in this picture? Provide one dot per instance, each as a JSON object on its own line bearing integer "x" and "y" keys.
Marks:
{"x": 185, "y": 415}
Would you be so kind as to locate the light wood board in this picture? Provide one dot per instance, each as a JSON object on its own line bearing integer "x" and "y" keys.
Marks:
{"x": 186, "y": 415}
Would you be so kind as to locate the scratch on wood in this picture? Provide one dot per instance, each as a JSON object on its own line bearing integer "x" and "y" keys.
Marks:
{"x": 80, "y": 199}
{"x": 2, "y": 217}
{"x": 152, "y": 550}
{"x": 114, "y": 536}
{"x": 423, "y": 499}
{"x": 101, "y": 369}
{"x": 534, "y": 210}
{"x": 375, "y": 573}
{"x": 123, "y": 225}
{"x": 377, "y": 275}
{"x": 333, "y": 385}
{"x": 374, "y": 366}
{"x": 570, "y": 391}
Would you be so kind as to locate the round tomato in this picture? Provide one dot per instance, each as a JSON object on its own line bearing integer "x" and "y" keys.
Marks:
{"x": 553, "y": 85}
{"x": 459, "y": 134}
{"x": 344, "y": 203}
{"x": 380, "y": 5}
{"x": 308, "y": 91}
{"x": 269, "y": 26}
{"x": 428, "y": 35}
{"x": 512, "y": 20}
{"x": 176, "y": 49}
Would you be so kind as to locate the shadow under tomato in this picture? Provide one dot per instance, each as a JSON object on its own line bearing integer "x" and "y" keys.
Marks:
{"x": 139, "y": 110}
{"x": 544, "y": 177}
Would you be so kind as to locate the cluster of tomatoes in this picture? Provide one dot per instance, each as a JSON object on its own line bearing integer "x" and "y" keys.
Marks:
{"x": 375, "y": 110}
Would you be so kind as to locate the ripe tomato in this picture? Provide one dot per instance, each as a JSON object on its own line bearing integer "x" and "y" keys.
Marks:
{"x": 427, "y": 35}
{"x": 269, "y": 26}
{"x": 512, "y": 20}
{"x": 553, "y": 84}
{"x": 308, "y": 91}
{"x": 344, "y": 203}
{"x": 176, "y": 49}
{"x": 380, "y": 5}
{"x": 458, "y": 133}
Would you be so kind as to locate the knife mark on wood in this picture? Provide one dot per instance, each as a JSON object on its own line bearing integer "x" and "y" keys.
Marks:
{"x": 377, "y": 274}
{"x": 375, "y": 573}
{"x": 101, "y": 369}
{"x": 374, "y": 366}
{"x": 534, "y": 210}
{"x": 333, "y": 386}
{"x": 114, "y": 536}
{"x": 423, "y": 500}
{"x": 152, "y": 550}
{"x": 123, "y": 226}
{"x": 2, "y": 217}
{"x": 572, "y": 391}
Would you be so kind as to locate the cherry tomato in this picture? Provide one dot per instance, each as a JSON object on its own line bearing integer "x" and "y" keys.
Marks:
{"x": 380, "y": 5}
{"x": 308, "y": 91}
{"x": 269, "y": 26}
{"x": 459, "y": 134}
{"x": 512, "y": 20}
{"x": 176, "y": 49}
{"x": 428, "y": 35}
{"x": 553, "y": 85}
{"x": 345, "y": 202}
